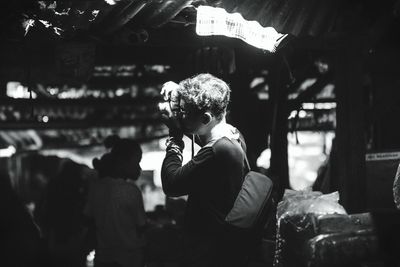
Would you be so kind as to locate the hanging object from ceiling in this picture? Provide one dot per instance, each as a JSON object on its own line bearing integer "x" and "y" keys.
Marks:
{"x": 216, "y": 21}
{"x": 75, "y": 61}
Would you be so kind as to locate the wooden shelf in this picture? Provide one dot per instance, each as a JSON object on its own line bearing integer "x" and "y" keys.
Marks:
{"x": 77, "y": 124}
{"x": 80, "y": 101}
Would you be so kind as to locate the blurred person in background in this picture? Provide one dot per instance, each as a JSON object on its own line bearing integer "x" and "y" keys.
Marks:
{"x": 20, "y": 238}
{"x": 63, "y": 222}
{"x": 115, "y": 205}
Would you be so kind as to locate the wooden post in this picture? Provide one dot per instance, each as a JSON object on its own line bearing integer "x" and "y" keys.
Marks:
{"x": 279, "y": 166}
{"x": 3, "y": 87}
{"x": 350, "y": 178}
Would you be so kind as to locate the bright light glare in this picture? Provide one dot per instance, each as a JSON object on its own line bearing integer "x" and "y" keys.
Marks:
{"x": 256, "y": 81}
{"x": 216, "y": 21}
{"x": 264, "y": 159}
{"x": 307, "y": 83}
{"x": 293, "y": 114}
{"x": 307, "y": 156}
{"x": 328, "y": 105}
{"x": 17, "y": 90}
{"x": 7, "y": 152}
{"x": 111, "y": 2}
{"x": 302, "y": 114}
{"x": 90, "y": 258}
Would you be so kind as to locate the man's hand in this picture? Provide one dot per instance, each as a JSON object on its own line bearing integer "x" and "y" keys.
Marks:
{"x": 170, "y": 94}
{"x": 169, "y": 91}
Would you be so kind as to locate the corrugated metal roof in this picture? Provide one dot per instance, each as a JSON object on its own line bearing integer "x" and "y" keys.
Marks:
{"x": 297, "y": 17}
{"x": 313, "y": 17}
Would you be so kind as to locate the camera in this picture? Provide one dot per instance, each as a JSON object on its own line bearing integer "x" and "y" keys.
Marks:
{"x": 165, "y": 108}
{"x": 171, "y": 108}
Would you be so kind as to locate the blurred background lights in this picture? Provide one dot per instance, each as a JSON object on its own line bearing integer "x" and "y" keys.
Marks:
{"x": 7, "y": 152}
{"x": 45, "y": 119}
{"x": 90, "y": 258}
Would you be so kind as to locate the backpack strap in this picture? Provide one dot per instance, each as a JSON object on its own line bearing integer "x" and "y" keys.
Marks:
{"x": 246, "y": 160}
{"x": 244, "y": 155}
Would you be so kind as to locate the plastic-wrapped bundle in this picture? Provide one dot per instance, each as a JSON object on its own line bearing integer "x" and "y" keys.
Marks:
{"x": 335, "y": 223}
{"x": 314, "y": 230}
{"x": 304, "y": 202}
{"x": 342, "y": 249}
{"x": 292, "y": 232}
{"x": 297, "y": 222}
{"x": 396, "y": 188}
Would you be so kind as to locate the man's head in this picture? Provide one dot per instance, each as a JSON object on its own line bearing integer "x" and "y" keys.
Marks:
{"x": 123, "y": 161}
{"x": 204, "y": 98}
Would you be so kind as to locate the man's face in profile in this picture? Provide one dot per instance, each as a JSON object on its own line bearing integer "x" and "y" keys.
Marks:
{"x": 190, "y": 121}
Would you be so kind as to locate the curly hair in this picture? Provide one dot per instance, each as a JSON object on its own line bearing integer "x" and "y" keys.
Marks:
{"x": 205, "y": 92}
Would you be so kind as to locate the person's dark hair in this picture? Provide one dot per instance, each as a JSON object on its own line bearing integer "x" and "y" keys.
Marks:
{"x": 120, "y": 150}
{"x": 104, "y": 165}
{"x": 205, "y": 92}
{"x": 123, "y": 147}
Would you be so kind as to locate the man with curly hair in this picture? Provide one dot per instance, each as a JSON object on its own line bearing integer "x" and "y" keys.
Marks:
{"x": 213, "y": 178}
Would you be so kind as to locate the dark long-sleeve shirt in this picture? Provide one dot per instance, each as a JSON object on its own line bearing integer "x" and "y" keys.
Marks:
{"x": 212, "y": 181}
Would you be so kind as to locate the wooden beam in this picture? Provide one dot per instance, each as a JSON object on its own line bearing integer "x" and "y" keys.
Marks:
{"x": 350, "y": 177}
{"x": 382, "y": 26}
{"x": 85, "y": 102}
{"x": 279, "y": 167}
{"x": 74, "y": 124}
{"x": 310, "y": 92}
{"x": 118, "y": 16}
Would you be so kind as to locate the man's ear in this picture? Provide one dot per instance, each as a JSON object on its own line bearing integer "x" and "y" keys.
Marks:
{"x": 207, "y": 117}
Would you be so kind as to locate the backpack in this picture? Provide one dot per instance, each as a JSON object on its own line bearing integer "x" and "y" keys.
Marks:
{"x": 253, "y": 206}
